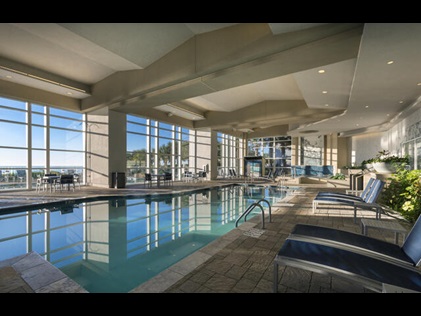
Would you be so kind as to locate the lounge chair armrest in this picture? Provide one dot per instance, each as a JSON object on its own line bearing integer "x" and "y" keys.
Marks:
{"x": 367, "y": 205}
{"x": 354, "y": 192}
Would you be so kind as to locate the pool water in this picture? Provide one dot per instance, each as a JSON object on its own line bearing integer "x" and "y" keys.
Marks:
{"x": 112, "y": 245}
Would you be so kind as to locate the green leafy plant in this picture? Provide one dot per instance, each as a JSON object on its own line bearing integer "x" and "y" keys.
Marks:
{"x": 338, "y": 176}
{"x": 403, "y": 193}
{"x": 385, "y": 156}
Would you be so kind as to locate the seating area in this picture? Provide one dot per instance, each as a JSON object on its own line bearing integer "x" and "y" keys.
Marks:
{"x": 370, "y": 272}
{"x": 53, "y": 182}
{"x": 367, "y": 200}
{"x": 364, "y": 260}
{"x": 242, "y": 105}
{"x": 189, "y": 176}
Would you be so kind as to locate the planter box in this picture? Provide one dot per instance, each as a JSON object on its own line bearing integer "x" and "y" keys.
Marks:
{"x": 348, "y": 172}
{"x": 383, "y": 167}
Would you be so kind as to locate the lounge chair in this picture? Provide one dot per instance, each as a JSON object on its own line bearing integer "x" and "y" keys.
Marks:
{"x": 366, "y": 202}
{"x": 362, "y": 194}
{"x": 370, "y": 272}
{"x": 409, "y": 254}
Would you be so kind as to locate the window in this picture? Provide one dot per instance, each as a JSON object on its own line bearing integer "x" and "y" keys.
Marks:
{"x": 276, "y": 152}
{"x": 37, "y": 139}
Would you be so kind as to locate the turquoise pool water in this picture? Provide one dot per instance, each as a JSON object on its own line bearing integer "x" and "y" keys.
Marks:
{"x": 112, "y": 245}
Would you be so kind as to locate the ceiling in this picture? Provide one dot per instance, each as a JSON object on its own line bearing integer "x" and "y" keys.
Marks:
{"x": 263, "y": 79}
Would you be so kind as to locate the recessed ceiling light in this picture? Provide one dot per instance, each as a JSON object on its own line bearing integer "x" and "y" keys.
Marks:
{"x": 387, "y": 114}
{"x": 366, "y": 106}
{"x": 324, "y": 91}
{"x": 390, "y": 62}
{"x": 419, "y": 84}
{"x": 326, "y": 104}
{"x": 401, "y": 101}
{"x": 321, "y": 71}
{"x": 357, "y": 124}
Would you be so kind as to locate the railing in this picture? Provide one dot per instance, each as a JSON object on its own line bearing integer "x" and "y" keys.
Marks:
{"x": 251, "y": 208}
{"x": 281, "y": 182}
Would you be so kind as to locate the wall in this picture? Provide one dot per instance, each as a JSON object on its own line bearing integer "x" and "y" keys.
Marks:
{"x": 213, "y": 166}
{"x": 117, "y": 142}
{"x": 407, "y": 129}
{"x": 106, "y": 147}
{"x": 367, "y": 146}
{"x": 97, "y": 148}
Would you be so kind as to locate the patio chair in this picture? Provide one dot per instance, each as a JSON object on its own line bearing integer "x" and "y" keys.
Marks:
{"x": 231, "y": 173}
{"x": 40, "y": 184}
{"x": 188, "y": 176}
{"x": 168, "y": 178}
{"x": 76, "y": 180}
{"x": 66, "y": 179}
{"x": 370, "y": 272}
{"x": 409, "y": 254}
{"x": 366, "y": 202}
{"x": 148, "y": 179}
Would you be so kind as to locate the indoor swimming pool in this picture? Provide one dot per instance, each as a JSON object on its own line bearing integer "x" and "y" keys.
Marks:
{"x": 114, "y": 244}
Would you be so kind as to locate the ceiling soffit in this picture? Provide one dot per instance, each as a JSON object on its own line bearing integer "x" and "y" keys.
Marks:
{"x": 321, "y": 51}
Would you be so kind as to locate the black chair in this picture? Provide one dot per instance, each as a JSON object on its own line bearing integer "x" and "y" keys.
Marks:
{"x": 148, "y": 179}
{"x": 48, "y": 182}
{"x": 66, "y": 179}
{"x": 168, "y": 178}
{"x": 202, "y": 175}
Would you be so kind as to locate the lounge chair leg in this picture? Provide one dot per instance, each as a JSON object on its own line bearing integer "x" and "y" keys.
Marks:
{"x": 275, "y": 277}
{"x": 355, "y": 215}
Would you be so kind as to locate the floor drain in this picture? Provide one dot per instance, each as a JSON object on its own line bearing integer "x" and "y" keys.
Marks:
{"x": 254, "y": 232}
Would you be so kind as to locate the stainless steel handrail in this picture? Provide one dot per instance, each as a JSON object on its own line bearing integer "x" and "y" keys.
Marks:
{"x": 251, "y": 208}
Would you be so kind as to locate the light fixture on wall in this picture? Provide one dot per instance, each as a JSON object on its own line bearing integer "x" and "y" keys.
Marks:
{"x": 34, "y": 80}
{"x": 172, "y": 109}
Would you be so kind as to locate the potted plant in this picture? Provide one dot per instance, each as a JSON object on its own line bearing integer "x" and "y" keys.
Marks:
{"x": 384, "y": 162}
{"x": 352, "y": 169}
{"x": 403, "y": 193}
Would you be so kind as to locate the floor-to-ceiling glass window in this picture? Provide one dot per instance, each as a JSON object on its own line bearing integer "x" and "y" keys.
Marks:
{"x": 158, "y": 147}
{"x": 276, "y": 153}
{"x": 13, "y": 144}
{"x": 66, "y": 142}
{"x": 186, "y": 140}
{"x": 137, "y": 148}
{"x": 166, "y": 146}
{"x": 37, "y": 139}
{"x": 226, "y": 154}
{"x": 230, "y": 149}
{"x": 412, "y": 148}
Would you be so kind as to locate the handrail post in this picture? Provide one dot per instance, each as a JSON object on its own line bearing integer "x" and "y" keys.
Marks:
{"x": 251, "y": 207}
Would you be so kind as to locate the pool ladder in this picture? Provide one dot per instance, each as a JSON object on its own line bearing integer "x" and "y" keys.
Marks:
{"x": 251, "y": 208}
